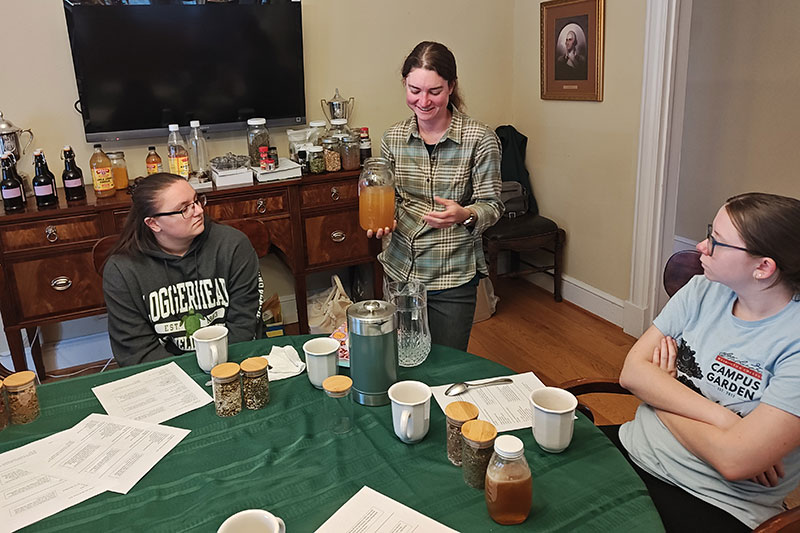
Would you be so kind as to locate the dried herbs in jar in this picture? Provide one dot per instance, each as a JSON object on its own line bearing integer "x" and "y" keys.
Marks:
{"x": 457, "y": 414}
{"x": 3, "y": 410}
{"x": 227, "y": 389}
{"x": 23, "y": 403}
{"x": 255, "y": 382}
{"x": 477, "y": 448}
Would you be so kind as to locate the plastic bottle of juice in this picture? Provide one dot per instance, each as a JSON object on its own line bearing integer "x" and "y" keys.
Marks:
{"x": 153, "y": 161}
{"x": 177, "y": 155}
{"x": 102, "y": 177}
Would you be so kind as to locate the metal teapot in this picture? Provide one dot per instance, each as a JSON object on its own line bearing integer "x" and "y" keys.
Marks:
{"x": 10, "y": 142}
{"x": 337, "y": 107}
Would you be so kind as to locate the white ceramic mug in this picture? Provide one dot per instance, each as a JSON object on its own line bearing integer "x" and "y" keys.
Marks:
{"x": 411, "y": 410}
{"x": 253, "y": 521}
{"x": 322, "y": 355}
{"x": 553, "y": 413}
{"x": 211, "y": 345}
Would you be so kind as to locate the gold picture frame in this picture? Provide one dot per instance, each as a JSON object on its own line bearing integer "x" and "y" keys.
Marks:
{"x": 572, "y": 49}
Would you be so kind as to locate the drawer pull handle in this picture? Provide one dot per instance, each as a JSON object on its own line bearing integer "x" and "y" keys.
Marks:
{"x": 61, "y": 283}
{"x": 51, "y": 233}
{"x": 261, "y": 206}
{"x": 338, "y": 236}
{"x": 334, "y": 194}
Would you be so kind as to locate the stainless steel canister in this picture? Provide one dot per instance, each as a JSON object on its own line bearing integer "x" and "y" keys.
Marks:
{"x": 372, "y": 327}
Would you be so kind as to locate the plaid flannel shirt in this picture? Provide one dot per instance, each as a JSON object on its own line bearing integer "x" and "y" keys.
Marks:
{"x": 465, "y": 167}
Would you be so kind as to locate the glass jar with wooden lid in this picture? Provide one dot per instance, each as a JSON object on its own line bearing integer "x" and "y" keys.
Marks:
{"x": 477, "y": 448}
{"x": 457, "y": 414}
{"x": 339, "y": 410}
{"x": 3, "y": 409}
{"x": 227, "y": 389}
{"x": 23, "y": 403}
{"x": 255, "y": 382}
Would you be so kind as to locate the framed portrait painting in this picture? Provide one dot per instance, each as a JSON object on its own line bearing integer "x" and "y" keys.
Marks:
{"x": 572, "y": 50}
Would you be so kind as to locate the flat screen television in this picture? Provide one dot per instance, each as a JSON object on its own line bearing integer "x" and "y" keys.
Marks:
{"x": 140, "y": 68}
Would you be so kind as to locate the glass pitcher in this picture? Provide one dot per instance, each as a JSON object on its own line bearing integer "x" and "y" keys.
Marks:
{"x": 413, "y": 333}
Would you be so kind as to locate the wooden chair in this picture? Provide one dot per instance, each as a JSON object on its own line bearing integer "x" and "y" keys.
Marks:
{"x": 526, "y": 233}
{"x": 680, "y": 268}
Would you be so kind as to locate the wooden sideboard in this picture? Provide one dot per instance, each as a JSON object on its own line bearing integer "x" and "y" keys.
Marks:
{"x": 47, "y": 272}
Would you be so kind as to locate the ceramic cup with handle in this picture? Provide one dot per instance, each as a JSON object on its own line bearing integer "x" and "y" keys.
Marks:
{"x": 211, "y": 344}
{"x": 322, "y": 355}
{"x": 252, "y": 521}
{"x": 411, "y": 410}
{"x": 553, "y": 412}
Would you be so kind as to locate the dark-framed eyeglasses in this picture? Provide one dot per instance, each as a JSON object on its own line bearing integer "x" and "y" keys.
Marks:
{"x": 712, "y": 243}
{"x": 186, "y": 211}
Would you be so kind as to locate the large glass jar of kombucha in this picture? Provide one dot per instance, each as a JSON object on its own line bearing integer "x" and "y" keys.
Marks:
{"x": 376, "y": 194}
{"x": 509, "y": 486}
{"x": 119, "y": 169}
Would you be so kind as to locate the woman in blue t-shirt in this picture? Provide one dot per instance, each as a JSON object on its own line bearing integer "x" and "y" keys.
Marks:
{"x": 717, "y": 437}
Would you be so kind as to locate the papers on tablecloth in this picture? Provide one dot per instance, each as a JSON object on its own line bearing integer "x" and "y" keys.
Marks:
{"x": 99, "y": 453}
{"x": 372, "y": 512}
{"x": 505, "y": 406}
{"x": 155, "y": 395}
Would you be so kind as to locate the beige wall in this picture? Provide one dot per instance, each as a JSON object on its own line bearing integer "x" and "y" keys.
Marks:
{"x": 741, "y": 116}
{"x": 583, "y": 155}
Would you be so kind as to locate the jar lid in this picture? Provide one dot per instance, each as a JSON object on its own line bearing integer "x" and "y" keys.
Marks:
{"x": 263, "y": 149}
{"x": 174, "y": 127}
{"x": 338, "y": 121}
{"x": 338, "y": 385}
{"x": 225, "y": 370}
{"x": 349, "y": 139}
{"x": 314, "y": 148}
{"x": 461, "y": 411}
{"x": 19, "y": 379}
{"x": 509, "y": 447}
{"x": 371, "y": 318}
{"x": 317, "y": 124}
{"x": 116, "y": 155}
{"x": 331, "y": 140}
{"x": 256, "y": 121}
{"x": 254, "y": 364}
{"x": 480, "y": 432}
{"x": 194, "y": 123}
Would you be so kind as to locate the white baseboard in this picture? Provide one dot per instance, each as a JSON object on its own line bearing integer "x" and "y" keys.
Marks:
{"x": 594, "y": 300}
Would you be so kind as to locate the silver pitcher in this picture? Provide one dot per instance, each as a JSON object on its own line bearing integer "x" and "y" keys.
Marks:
{"x": 337, "y": 107}
{"x": 372, "y": 330}
{"x": 10, "y": 142}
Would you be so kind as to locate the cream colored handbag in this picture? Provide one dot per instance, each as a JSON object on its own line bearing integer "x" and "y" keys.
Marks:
{"x": 328, "y": 309}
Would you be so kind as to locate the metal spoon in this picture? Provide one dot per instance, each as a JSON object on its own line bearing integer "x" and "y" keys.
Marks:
{"x": 459, "y": 388}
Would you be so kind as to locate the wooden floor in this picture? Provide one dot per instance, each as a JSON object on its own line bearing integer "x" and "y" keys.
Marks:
{"x": 557, "y": 341}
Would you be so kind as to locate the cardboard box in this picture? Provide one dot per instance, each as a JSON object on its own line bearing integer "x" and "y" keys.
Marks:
{"x": 287, "y": 169}
{"x": 232, "y": 178}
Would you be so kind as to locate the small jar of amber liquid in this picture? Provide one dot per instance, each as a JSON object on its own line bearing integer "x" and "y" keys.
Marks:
{"x": 509, "y": 485}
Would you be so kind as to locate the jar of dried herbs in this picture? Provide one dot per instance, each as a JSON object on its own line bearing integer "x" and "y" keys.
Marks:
{"x": 23, "y": 403}
{"x": 257, "y": 136}
{"x": 477, "y": 448}
{"x": 255, "y": 382}
{"x": 3, "y": 409}
{"x": 457, "y": 414}
{"x": 330, "y": 150}
{"x": 316, "y": 160}
{"x": 227, "y": 389}
{"x": 351, "y": 154}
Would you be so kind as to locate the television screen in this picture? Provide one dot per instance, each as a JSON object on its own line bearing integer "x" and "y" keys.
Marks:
{"x": 140, "y": 68}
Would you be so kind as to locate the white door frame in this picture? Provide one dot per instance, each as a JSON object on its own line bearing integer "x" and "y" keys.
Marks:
{"x": 661, "y": 124}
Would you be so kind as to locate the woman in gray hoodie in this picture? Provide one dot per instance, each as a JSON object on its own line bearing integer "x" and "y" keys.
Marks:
{"x": 173, "y": 268}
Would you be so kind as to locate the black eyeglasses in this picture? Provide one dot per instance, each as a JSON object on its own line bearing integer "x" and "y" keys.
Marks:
{"x": 186, "y": 211}
{"x": 712, "y": 243}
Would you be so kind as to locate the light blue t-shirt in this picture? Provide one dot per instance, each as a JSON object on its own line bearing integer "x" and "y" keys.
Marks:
{"x": 737, "y": 364}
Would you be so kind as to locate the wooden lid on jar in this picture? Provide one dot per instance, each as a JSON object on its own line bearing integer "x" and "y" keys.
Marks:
{"x": 480, "y": 432}
{"x": 19, "y": 380}
{"x": 461, "y": 412}
{"x": 337, "y": 384}
{"x": 225, "y": 370}
{"x": 254, "y": 364}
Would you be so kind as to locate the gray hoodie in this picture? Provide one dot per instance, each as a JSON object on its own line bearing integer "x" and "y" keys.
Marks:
{"x": 149, "y": 295}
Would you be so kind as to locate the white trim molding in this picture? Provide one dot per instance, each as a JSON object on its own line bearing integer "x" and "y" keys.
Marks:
{"x": 585, "y": 296}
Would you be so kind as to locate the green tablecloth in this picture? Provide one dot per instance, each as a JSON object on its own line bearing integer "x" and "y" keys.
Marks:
{"x": 282, "y": 459}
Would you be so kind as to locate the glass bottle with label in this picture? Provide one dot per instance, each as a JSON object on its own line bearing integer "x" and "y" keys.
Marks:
{"x": 365, "y": 145}
{"x": 508, "y": 482}
{"x": 11, "y": 186}
{"x": 44, "y": 183}
{"x": 72, "y": 177}
{"x": 102, "y": 177}
{"x": 153, "y": 161}
{"x": 119, "y": 169}
{"x": 177, "y": 155}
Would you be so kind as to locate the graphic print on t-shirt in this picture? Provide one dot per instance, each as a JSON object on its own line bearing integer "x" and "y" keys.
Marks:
{"x": 687, "y": 366}
{"x": 737, "y": 378}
